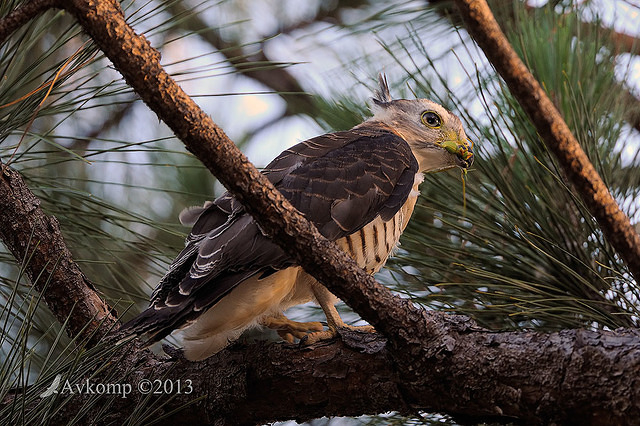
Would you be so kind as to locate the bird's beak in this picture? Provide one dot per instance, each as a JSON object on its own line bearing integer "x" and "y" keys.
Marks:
{"x": 462, "y": 149}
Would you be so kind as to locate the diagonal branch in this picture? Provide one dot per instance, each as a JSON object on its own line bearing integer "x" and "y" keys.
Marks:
{"x": 30, "y": 234}
{"x": 620, "y": 42}
{"x": 140, "y": 65}
{"x": 23, "y": 14}
{"x": 554, "y": 131}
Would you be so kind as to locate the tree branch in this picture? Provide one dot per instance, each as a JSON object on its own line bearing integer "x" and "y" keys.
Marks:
{"x": 554, "y": 131}
{"x": 114, "y": 119}
{"x": 622, "y": 42}
{"x": 22, "y": 15}
{"x": 35, "y": 239}
{"x": 569, "y": 377}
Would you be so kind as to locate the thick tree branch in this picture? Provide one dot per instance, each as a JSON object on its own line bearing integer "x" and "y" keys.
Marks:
{"x": 35, "y": 239}
{"x": 22, "y": 15}
{"x": 554, "y": 131}
{"x": 570, "y": 377}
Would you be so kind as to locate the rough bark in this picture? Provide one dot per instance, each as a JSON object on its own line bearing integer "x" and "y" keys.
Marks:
{"x": 35, "y": 240}
{"x": 614, "y": 223}
{"x": 569, "y": 377}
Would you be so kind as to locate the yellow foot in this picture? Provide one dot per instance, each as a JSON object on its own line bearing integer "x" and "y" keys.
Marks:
{"x": 332, "y": 332}
{"x": 291, "y": 330}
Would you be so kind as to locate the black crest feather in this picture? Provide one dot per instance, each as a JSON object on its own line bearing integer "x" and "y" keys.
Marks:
{"x": 382, "y": 95}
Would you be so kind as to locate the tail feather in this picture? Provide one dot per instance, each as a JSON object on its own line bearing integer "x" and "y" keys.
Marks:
{"x": 153, "y": 324}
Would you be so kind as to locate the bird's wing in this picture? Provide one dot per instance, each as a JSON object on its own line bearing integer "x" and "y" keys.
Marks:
{"x": 344, "y": 180}
{"x": 339, "y": 181}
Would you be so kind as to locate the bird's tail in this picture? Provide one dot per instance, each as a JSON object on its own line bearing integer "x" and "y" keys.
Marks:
{"x": 150, "y": 324}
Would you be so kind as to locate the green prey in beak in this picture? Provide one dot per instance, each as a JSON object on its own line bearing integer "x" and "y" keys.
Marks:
{"x": 462, "y": 150}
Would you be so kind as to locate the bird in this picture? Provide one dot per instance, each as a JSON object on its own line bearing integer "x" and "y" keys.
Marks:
{"x": 358, "y": 187}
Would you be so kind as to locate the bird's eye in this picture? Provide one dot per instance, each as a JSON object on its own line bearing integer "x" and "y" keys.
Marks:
{"x": 431, "y": 119}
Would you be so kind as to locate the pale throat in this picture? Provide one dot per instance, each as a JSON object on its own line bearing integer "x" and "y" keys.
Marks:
{"x": 433, "y": 160}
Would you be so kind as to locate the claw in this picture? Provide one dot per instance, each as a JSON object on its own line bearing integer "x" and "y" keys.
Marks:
{"x": 290, "y": 330}
{"x": 333, "y": 332}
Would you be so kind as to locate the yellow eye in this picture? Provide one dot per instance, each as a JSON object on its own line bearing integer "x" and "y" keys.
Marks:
{"x": 431, "y": 119}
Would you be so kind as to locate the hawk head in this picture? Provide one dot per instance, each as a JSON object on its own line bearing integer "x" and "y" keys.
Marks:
{"x": 435, "y": 135}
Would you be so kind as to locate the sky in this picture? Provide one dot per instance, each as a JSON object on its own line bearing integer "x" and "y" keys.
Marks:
{"x": 320, "y": 69}
{"x": 240, "y": 105}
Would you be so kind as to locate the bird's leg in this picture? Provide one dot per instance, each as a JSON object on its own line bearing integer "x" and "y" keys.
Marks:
{"x": 326, "y": 300}
{"x": 290, "y": 330}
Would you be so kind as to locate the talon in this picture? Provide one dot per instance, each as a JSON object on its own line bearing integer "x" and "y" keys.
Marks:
{"x": 319, "y": 336}
{"x": 290, "y": 330}
{"x": 361, "y": 328}
{"x": 287, "y": 337}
